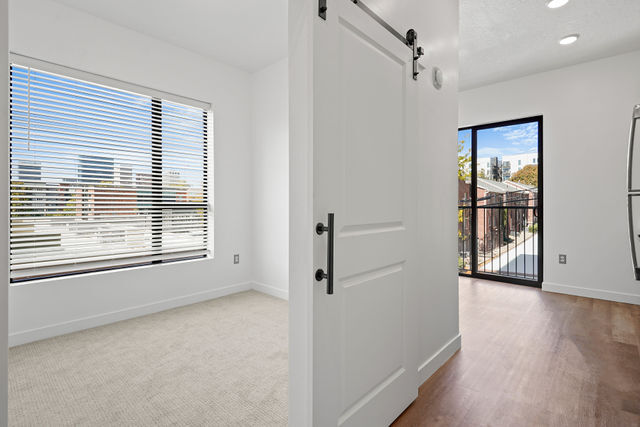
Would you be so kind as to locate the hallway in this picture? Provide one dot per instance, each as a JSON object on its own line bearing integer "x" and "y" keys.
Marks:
{"x": 535, "y": 358}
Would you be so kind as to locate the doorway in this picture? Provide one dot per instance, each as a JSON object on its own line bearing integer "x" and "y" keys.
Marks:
{"x": 500, "y": 215}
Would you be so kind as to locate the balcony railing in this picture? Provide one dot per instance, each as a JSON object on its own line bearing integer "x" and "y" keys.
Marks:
{"x": 506, "y": 240}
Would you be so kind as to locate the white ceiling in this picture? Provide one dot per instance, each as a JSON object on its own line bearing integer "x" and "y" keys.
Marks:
{"x": 499, "y": 39}
{"x": 505, "y": 39}
{"x": 249, "y": 34}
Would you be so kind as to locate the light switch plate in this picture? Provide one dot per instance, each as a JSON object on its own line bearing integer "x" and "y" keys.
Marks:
{"x": 562, "y": 259}
{"x": 236, "y": 259}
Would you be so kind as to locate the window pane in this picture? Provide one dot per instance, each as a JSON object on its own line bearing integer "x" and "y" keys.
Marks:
{"x": 507, "y": 198}
{"x": 464, "y": 201}
{"x": 89, "y": 187}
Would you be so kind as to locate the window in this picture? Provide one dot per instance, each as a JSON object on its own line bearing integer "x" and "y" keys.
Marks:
{"x": 103, "y": 177}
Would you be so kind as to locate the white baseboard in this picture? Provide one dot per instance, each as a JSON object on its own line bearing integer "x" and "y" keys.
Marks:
{"x": 271, "y": 290}
{"x": 23, "y": 337}
{"x": 432, "y": 364}
{"x": 591, "y": 293}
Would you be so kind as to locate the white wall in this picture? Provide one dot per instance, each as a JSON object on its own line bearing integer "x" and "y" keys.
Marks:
{"x": 587, "y": 112}
{"x": 437, "y": 295}
{"x": 437, "y": 25}
{"x": 270, "y": 186}
{"x": 55, "y": 33}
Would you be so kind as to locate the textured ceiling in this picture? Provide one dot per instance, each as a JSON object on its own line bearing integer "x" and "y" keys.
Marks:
{"x": 505, "y": 39}
{"x": 254, "y": 32}
{"x": 499, "y": 39}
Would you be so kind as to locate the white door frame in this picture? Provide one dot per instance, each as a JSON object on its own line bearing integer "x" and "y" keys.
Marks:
{"x": 4, "y": 213}
{"x": 301, "y": 211}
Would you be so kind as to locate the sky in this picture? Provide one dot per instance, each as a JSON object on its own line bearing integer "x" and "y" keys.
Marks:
{"x": 505, "y": 140}
{"x": 464, "y": 136}
{"x": 58, "y": 122}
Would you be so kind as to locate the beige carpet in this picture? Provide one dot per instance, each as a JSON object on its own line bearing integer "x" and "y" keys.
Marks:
{"x": 218, "y": 363}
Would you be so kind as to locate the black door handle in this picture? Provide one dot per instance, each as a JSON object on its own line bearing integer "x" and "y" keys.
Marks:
{"x": 320, "y": 273}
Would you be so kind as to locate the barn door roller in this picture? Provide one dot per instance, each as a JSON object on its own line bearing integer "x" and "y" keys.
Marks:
{"x": 412, "y": 42}
{"x": 410, "y": 39}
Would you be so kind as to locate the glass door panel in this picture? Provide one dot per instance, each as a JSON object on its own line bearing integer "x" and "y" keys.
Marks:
{"x": 502, "y": 216}
{"x": 464, "y": 201}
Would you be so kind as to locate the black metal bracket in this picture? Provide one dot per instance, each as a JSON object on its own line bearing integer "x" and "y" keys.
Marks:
{"x": 320, "y": 275}
{"x": 322, "y": 9}
{"x": 412, "y": 40}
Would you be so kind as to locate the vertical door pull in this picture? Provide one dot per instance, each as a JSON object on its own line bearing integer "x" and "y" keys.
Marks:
{"x": 635, "y": 118}
{"x": 320, "y": 273}
{"x": 632, "y": 191}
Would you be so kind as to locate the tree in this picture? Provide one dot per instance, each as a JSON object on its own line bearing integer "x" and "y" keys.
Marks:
{"x": 527, "y": 175}
{"x": 464, "y": 159}
{"x": 464, "y": 172}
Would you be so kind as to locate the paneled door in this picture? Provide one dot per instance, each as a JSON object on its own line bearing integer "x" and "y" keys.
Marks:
{"x": 365, "y": 174}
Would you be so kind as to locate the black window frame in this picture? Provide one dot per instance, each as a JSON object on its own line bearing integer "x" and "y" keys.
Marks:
{"x": 474, "y": 202}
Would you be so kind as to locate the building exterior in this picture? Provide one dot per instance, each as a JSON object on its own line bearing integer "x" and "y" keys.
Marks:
{"x": 518, "y": 161}
{"x": 501, "y": 169}
{"x": 123, "y": 176}
{"x": 29, "y": 171}
{"x": 95, "y": 168}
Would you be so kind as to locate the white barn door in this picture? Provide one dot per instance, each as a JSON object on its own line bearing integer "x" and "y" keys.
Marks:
{"x": 365, "y": 173}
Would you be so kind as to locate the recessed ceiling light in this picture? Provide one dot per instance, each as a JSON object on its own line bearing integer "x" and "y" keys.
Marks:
{"x": 554, "y": 4}
{"x": 570, "y": 39}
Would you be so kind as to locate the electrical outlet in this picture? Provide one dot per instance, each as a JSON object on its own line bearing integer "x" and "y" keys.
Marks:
{"x": 562, "y": 259}
{"x": 236, "y": 259}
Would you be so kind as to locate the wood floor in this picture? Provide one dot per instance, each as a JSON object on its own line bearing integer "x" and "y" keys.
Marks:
{"x": 532, "y": 358}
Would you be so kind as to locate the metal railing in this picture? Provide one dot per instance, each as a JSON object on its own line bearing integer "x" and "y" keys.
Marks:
{"x": 506, "y": 240}
{"x": 464, "y": 239}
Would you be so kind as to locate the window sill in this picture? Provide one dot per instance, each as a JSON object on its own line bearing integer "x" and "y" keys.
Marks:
{"x": 124, "y": 270}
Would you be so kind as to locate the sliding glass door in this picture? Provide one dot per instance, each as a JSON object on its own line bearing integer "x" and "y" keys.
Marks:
{"x": 500, "y": 201}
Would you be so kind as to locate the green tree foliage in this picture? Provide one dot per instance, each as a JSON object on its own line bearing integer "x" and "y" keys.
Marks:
{"x": 464, "y": 172}
{"x": 527, "y": 175}
{"x": 19, "y": 196}
{"x": 464, "y": 159}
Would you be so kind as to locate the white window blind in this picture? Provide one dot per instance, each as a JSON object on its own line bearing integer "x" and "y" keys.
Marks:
{"x": 101, "y": 177}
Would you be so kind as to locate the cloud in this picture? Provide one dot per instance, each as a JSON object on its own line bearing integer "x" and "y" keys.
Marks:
{"x": 504, "y": 151}
{"x": 490, "y": 152}
{"x": 522, "y": 135}
{"x": 509, "y": 140}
